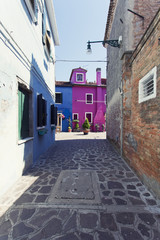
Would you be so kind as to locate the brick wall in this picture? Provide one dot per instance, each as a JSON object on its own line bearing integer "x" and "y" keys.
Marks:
{"x": 142, "y": 120}
{"x": 147, "y": 9}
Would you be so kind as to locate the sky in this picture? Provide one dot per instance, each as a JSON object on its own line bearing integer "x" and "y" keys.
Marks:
{"x": 79, "y": 21}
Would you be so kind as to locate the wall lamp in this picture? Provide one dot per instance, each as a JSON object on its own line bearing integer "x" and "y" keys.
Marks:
{"x": 112, "y": 43}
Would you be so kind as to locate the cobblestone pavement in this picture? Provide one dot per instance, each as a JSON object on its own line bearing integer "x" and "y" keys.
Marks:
{"x": 116, "y": 205}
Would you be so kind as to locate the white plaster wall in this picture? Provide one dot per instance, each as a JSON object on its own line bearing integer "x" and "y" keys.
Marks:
{"x": 13, "y": 63}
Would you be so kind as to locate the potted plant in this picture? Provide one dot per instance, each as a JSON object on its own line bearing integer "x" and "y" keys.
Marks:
{"x": 103, "y": 128}
{"x": 76, "y": 125}
{"x": 86, "y": 126}
{"x": 97, "y": 127}
{"x": 69, "y": 124}
{"x": 69, "y": 129}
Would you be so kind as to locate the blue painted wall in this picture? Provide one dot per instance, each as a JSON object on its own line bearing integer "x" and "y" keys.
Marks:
{"x": 42, "y": 143}
{"x": 66, "y": 106}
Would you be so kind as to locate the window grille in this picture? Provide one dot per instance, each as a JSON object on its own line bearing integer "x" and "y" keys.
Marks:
{"x": 147, "y": 86}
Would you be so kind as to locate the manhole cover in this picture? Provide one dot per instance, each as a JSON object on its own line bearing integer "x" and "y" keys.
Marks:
{"x": 76, "y": 186}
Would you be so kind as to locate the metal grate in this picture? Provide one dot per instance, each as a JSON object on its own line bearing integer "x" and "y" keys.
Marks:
{"x": 148, "y": 86}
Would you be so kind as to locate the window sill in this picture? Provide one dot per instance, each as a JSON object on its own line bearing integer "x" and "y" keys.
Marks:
{"x": 25, "y": 140}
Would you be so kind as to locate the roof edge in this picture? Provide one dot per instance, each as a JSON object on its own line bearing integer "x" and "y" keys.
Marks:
{"x": 52, "y": 17}
{"x": 110, "y": 18}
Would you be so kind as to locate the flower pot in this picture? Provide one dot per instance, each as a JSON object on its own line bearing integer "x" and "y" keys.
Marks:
{"x": 85, "y": 131}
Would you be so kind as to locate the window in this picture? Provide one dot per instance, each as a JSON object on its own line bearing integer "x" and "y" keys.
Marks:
{"x": 41, "y": 111}
{"x": 147, "y": 86}
{"x": 89, "y": 116}
{"x": 48, "y": 42}
{"x": 59, "y": 98}
{"x": 23, "y": 113}
{"x": 89, "y": 98}
{"x": 32, "y": 6}
{"x": 46, "y": 38}
{"x": 75, "y": 116}
{"x": 79, "y": 77}
{"x": 53, "y": 115}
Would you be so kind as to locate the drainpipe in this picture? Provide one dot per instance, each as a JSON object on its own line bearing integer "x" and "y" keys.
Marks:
{"x": 107, "y": 98}
{"x": 121, "y": 92}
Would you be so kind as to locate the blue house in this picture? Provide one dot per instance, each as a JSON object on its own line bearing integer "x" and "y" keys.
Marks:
{"x": 27, "y": 79}
{"x": 63, "y": 100}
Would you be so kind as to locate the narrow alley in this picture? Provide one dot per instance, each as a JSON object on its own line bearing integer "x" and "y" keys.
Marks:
{"x": 81, "y": 189}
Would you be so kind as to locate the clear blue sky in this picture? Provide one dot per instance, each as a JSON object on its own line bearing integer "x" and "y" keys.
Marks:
{"x": 79, "y": 21}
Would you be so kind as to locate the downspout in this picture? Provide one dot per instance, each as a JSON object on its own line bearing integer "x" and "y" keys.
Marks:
{"x": 106, "y": 97}
{"x": 121, "y": 92}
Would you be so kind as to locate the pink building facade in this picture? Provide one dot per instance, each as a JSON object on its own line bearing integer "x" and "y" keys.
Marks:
{"x": 88, "y": 99}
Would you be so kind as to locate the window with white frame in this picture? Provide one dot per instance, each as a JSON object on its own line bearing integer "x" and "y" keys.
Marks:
{"x": 25, "y": 114}
{"x": 89, "y": 98}
{"x": 147, "y": 85}
{"x": 79, "y": 77}
{"x": 89, "y": 116}
{"x": 75, "y": 116}
{"x": 32, "y": 6}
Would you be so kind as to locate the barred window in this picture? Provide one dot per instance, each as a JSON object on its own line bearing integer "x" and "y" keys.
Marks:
{"x": 147, "y": 86}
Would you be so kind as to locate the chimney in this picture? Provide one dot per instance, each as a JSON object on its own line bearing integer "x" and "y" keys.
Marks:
{"x": 98, "y": 76}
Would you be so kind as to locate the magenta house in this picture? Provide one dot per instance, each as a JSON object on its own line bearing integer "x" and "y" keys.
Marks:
{"x": 88, "y": 99}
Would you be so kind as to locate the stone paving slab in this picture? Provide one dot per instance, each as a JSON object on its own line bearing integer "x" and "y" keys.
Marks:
{"x": 126, "y": 211}
{"x": 75, "y": 187}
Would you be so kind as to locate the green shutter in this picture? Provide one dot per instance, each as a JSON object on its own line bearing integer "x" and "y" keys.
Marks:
{"x": 23, "y": 113}
{"x": 19, "y": 115}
